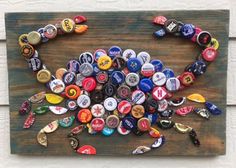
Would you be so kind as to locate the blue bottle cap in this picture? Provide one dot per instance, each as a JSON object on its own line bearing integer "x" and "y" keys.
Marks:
{"x": 69, "y": 78}
{"x": 129, "y": 123}
{"x": 95, "y": 69}
{"x": 213, "y": 108}
{"x": 114, "y": 51}
{"x": 145, "y": 85}
{"x": 169, "y": 73}
{"x": 133, "y": 65}
{"x": 160, "y": 33}
{"x": 187, "y": 31}
{"x": 107, "y": 131}
{"x": 73, "y": 66}
{"x": 117, "y": 77}
{"x": 158, "y": 65}
{"x": 152, "y": 117}
{"x": 199, "y": 67}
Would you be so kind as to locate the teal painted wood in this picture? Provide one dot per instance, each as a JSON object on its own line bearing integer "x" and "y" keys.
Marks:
{"x": 127, "y": 30}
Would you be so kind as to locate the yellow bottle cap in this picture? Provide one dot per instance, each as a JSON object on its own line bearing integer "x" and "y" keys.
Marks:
{"x": 67, "y": 25}
{"x": 34, "y": 38}
{"x": 22, "y": 40}
{"x": 214, "y": 43}
{"x": 53, "y": 98}
{"x": 104, "y": 62}
{"x": 44, "y": 76}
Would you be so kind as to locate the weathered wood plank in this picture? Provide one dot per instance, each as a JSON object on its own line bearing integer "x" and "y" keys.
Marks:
{"x": 113, "y": 5}
{"x": 118, "y": 32}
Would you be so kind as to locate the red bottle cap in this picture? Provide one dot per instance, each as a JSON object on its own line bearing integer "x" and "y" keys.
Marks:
{"x": 89, "y": 84}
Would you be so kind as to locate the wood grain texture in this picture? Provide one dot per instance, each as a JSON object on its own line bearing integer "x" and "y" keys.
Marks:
{"x": 128, "y": 30}
{"x": 113, "y": 5}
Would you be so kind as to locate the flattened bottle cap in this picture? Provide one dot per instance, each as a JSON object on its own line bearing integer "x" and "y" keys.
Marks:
{"x": 44, "y": 76}
{"x": 172, "y": 84}
{"x": 97, "y": 124}
{"x": 117, "y": 77}
{"x": 124, "y": 107}
{"x": 118, "y": 63}
{"x": 199, "y": 67}
{"x": 158, "y": 65}
{"x": 159, "y": 78}
{"x": 204, "y": 38}
{"x": 83, "y": 101}
{"x": 72, "y": 91}
{"x": 73, "y": 66}
{"x": 162, "y": 105}
{"x": 209, "y": 54}
{"x": 109, "y": 89}
{"x": 22, "y": 40}
{"x": 114, "y": 51}
{"x": 132, "y": 79}
{"x": 67, "y": 25}
{"x": 160, "y": 33}
{"x": 89, "y": 84}
{"x": 57, "y": 86}
{"x": 69, "y": 78}
{"x": 71, "y": 104}
{"x": 110, "y": 104}
{"x": 27, "y": 51}
{"x": 107, "y": 131}
{"x": 102, "y": 77}
{"x": 129, "y": 123}
{"x": 121, "y": 130}
{"x": 137, "y": 111}
{"x": 86, "y": 57}
{"x": 79, "y": 29}
{"x": 187, "y": 31}
{"x": 86, "y": 69}
{"x": 160, "y": 20}
{"x": 112, "y": 121}
{"x": 145, "y": 85}
{"x": 138, "y": 97}
{"x": 104, "y": 62}
{"x": 97, "y": 110}
{"x": 159, "y": 93}
{"x": 50, "y": 31}
{"x": 124, "y": 92}
{"x": 144, "y": 57}
{"x": 34, "y": 37}
{"x": 35, "y": 64}
{"x": 128, "y": 53}
{"x": 186, "y": 78}
{"x": 84, "y": 115}
{"x": 60, "y": 72}
{"x": 98, "y": 53}
{"x": 171, "y": 25}
{"x": 133, "y": 65}
{"x": 144, "y": 124}
{"x": 79, "y": 19}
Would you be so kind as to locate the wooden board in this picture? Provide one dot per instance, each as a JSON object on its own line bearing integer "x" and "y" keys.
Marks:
{"x": 127, "y": 30}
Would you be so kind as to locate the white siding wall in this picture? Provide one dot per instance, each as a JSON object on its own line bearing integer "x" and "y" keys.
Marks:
{"x": 7, "y": 160}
